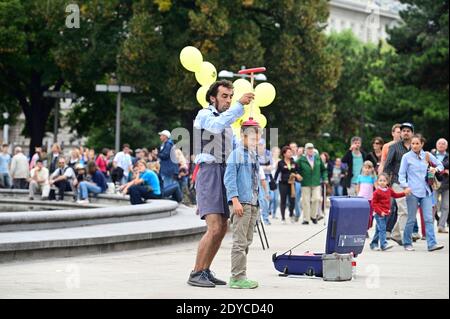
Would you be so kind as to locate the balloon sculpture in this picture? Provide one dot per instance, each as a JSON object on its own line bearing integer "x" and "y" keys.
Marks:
{"x": 206, "y": 74}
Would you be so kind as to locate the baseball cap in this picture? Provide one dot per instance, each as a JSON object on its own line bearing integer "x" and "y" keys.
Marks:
{"x": 138, "y": 150}
{"x": 407, "y": 125}
{"x": 309, "y": 145}
{"x": 165, "y": 133}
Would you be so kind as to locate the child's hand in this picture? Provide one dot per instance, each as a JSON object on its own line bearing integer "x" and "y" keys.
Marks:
{"x": 237, "y": 207}
{"x": 407, "y": 191}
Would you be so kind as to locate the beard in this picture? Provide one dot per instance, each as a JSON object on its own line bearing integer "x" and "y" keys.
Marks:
{"x": 221, "y": 108}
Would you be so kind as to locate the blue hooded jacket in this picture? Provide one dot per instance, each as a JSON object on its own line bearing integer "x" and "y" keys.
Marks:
{"x": 168, "y": 167}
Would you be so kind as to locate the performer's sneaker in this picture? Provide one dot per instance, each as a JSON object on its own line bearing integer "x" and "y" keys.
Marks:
{"x": 200, "y": 279}
{"x": 213, "y": 279}
{"x": 243, "y": 284}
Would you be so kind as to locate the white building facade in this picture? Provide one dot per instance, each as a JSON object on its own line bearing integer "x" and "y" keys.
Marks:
{"x": 368, "y": 19}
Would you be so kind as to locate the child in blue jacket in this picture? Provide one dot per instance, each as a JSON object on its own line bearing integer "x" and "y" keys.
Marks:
{"x": 242, "y": 183}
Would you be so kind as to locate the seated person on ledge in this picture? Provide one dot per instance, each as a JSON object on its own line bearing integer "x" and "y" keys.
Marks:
{"x": 96, "y": 184}
{"x": 144, "y": 186}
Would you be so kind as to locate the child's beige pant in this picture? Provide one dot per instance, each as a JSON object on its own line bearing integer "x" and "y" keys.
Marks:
{"x": 243, "y": 228}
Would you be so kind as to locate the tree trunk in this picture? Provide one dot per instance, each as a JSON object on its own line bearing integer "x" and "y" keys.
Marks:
{"x": 36, "y": 120}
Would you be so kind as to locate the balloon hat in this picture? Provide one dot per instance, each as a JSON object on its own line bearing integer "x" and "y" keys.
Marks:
{"x": 250, "y": 123}
{"x": 251, "y": 73}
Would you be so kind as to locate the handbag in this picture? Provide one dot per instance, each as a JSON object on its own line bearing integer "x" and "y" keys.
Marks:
{"x": 272, "y": 183}
{"x": 431, "y": 178}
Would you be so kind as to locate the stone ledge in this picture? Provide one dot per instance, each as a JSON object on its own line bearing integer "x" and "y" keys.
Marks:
{"x": 39, "y": 220}
{"x": 100, "y": 238}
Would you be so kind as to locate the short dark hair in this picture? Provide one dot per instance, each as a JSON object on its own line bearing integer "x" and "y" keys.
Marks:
{"x": 39, "y": 161}
{"x": 214, "y": 88}
{"x": 105, "y": 151}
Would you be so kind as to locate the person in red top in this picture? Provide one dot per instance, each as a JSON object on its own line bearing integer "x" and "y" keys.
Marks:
{"x": 381, "y": 204}
{"x": 102, "y": 162}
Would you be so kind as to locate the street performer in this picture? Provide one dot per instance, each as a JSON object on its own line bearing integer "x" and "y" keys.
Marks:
{"x": 214, "y": 146}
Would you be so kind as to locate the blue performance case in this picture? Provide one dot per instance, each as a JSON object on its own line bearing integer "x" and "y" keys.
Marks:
{"x": 346, "y": 233}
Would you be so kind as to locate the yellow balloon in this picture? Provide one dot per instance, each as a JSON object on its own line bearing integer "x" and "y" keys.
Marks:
{"x": 191, "y": 58}
{"x": 201, "y": 96}
{"x": 262, "y": 120}
{"x": 241, "y": 87}
{"x": 265, "y": 94}
{"x": 207, "y": 74}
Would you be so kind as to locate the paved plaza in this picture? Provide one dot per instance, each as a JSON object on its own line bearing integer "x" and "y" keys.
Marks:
{"x": 162, "y": 272}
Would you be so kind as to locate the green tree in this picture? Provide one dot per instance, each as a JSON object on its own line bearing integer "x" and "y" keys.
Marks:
{"x": 285, "y": 36}
{"x": 418, "y": 82}
{"x": 38, "y": 52}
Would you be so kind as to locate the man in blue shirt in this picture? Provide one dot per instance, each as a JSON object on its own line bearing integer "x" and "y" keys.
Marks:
{"x": 213, "y": 146}
{"x": 5, "y": 161}
{"x": 146, "y": 186}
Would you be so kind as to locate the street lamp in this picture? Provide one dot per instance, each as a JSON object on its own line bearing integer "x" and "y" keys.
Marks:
{"x": 119, "y": 89}
{"x": 57, "y": 95}
{"x": 5, "y": 128}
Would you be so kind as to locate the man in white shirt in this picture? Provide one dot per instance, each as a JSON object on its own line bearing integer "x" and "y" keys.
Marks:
{"x": 62, "y": 178}
{"x": 123, "y": 161}
{"x": 39, "y": 181}
{"x": 19, "y": 169}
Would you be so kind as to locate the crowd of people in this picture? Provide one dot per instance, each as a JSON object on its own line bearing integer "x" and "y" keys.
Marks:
{"x": 295, "y": 178}
{"x": 399, "y": 170}
{"x": 142, "y": 174}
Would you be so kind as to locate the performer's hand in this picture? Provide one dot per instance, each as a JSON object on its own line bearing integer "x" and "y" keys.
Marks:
{"x": 247, "y": 98}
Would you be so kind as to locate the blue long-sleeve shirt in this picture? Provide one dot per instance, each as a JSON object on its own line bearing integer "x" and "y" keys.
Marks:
{"x": 211, "y": 120}
{"x": 413, "y": 171}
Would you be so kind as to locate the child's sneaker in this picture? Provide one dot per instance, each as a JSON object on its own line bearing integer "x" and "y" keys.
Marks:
{"x": 374, "y": 247}
{"x": 243, "y": 284}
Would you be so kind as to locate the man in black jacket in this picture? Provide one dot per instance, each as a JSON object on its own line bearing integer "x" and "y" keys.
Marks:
{"x": 392, "y": 167}
{"x": 354, "y": 160}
